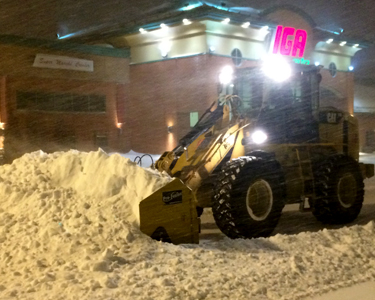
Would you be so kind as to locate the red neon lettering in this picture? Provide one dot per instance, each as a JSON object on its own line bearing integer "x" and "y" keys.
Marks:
{"x": 279, "y": 31}
{"x": 286, "y": 45}
{"x": 299, "y": 42}
{"x": 290, "y": 46}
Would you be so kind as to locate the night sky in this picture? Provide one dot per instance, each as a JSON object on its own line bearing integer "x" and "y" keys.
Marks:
{"x": 45, "y": 18}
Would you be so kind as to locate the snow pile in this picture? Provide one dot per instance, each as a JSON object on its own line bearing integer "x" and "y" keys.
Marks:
{"x": 63, "y": 211}
{"x": 111, "y": 183}
{"x": 69, "y": 230}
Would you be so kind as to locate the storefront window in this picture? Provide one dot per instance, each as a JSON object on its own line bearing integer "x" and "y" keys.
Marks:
{"x": 193, "y": 118}
{"x": 57, "y": 102}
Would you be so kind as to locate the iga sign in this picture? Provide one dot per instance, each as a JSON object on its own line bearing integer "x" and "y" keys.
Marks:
{"x": 289, "y": 41}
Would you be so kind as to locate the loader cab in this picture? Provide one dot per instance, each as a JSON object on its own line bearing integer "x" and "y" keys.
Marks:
{"x": 286, "y": 111}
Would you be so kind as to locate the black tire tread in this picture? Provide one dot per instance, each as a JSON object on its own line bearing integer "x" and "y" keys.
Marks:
{"x": 326, "y": 207}
{"x": 226, "y": 210}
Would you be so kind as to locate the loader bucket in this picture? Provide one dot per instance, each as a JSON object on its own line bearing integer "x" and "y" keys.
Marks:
{"x": 170, "y": 214}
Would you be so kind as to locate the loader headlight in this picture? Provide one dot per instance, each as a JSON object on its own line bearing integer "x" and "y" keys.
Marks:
{"x": 276, "y": 68}
{"x": 226, "y": 75}
{"x": 259, "y": 137}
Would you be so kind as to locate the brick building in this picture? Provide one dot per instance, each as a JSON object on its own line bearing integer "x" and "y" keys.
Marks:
{"x": 58, "y": 96}
{"x": 158, "y": 76}
{"x": 176, "y": 59}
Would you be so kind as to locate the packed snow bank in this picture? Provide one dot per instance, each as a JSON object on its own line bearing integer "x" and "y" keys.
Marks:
{"x": 68, "y": 230}
{"x": 41, "y": 181}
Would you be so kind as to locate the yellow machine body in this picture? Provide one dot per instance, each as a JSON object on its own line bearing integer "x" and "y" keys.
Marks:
{"x": 170, "y": 214}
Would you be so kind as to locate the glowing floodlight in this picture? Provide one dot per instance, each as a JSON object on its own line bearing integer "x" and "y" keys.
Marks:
{"x": 259, "y": 137}
{"x": 186, "y": 22}
{"x": 317, "y": 63}
{"x": 329, "y": 41}
{"x": 226, "y": 75}
{"x": 143, "y": 31}
{"x": 351, "y": 68}
{"x": 276, "y": 68}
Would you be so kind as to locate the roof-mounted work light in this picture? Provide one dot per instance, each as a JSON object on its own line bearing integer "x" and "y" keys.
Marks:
{"x": 226, "y": 75}
{"x": 276, "y": 68}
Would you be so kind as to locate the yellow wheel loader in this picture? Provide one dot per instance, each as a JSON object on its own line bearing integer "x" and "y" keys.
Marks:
{"x": 264, "y": 144}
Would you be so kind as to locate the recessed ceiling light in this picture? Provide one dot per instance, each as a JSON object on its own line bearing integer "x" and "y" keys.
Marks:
{"x": 245, "y": 25}
{"x": 226, "y": 21}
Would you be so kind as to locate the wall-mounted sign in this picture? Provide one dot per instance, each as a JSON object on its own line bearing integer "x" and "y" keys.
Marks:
{"x": 63, "y": 62}
{"x": 289, "y": 41}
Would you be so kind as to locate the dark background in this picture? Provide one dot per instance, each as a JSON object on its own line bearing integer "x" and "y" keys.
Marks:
{"x": 47, "y": 18}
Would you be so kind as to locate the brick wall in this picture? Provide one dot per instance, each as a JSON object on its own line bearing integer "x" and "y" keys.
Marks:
{"x": 28, "y": 130}
{"x": 161, "y": 92}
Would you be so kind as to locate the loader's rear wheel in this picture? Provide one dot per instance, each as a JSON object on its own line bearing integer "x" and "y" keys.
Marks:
{"x": 248, "y": 197}
{"x": 339, "y": 190}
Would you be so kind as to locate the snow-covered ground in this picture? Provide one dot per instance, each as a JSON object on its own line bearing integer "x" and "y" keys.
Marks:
{"x": 69, "y": 230}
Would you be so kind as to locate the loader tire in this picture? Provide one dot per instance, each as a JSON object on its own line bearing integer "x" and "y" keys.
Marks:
{"x": 339, "y": 190}
{"x": 249, "y": 197}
